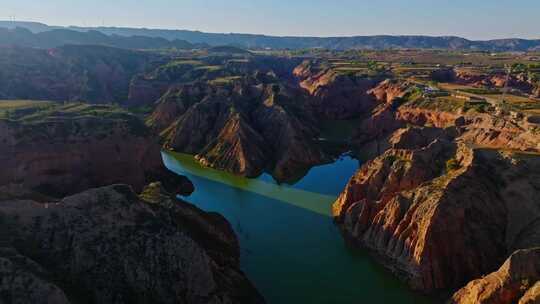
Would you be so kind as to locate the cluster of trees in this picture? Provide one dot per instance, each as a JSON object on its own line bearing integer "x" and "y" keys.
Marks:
{"x": 377, "y": 68}
{"x": 532, "y": 71}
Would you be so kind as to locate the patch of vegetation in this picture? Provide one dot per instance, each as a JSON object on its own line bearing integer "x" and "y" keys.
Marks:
{"x": 445, "y": 104}
{"x": 524, "y": 285}
{"x": 477, "y": 106}
{"x": 176, "y": 63}
{"x": 210, "y": 67}
{"x": 225, "y": 80}
{"x": 142, "y": 110}
{"x": 481, "y": 91}
{"x": 412, "y": 94}
{"x": 452, "y": 165}
{"x": 13, "y": 109}
{"x": 80, "y": 119}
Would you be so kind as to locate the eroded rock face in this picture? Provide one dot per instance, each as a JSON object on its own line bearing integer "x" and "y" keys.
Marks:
{"x": 519, "y": 81}
{"x": 496, "y": 128}
{"x": 244, "y": 129}
{"x": 108, "y": 245}
{"x": 335, "y": 95}
{"x": 372, "y": 136}
{"x": 421, "y": 117}
{"x": 436, "y": 203}
{"x": 439, "y": 224}
{"x": 501, "y": 132}
{"x": 65, "y": 155}
{"x": 174, "y": 103}
{"x": 517, "y": 281}
{"x": 239, "y": 149}
{"x": 264, "y": 120}
{"x": 96, "y": 74}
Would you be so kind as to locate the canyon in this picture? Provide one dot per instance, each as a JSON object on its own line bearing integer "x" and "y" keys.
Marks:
{"x": 446, "y": 196}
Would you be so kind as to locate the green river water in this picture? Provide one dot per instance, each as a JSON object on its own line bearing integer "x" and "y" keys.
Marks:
{"x": 290, "y": 248}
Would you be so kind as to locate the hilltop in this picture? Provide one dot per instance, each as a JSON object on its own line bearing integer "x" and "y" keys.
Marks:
{"x": 21, "y": 36}
{"x": 263, "y": 41}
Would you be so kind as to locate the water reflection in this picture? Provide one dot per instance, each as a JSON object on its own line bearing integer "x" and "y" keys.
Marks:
{"x": 290, "y": 247}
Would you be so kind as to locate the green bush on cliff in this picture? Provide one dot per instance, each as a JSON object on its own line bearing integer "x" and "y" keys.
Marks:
{"x": 524, "y": 285}
{"x": 413, "y": 93}
{"x": 452, "y": 165}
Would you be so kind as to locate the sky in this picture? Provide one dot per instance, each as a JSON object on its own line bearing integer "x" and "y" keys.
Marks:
{"x": 473, "y": 19}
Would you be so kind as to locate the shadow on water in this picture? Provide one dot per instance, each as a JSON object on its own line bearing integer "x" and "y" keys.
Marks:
{"x": 290, "y": 247}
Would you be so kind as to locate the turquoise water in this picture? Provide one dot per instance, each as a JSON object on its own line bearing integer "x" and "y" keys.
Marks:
{"x": 290, "y": 247}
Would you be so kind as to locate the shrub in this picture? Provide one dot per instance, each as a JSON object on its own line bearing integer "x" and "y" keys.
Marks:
{"x": 525, "y": 284}
{"x": 451, "y": 165}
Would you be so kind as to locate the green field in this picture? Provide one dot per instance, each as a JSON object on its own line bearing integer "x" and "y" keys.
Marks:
{"x": 225, "y": 80}
{"x": 14, "y": 108}
{"x": 36, "y": 110}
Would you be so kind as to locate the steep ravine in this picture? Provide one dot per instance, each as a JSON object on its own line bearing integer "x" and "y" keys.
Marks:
{"x": 245, "y": 129}
{"x": 445, "y": 197}
{"x": 260, "y": 122}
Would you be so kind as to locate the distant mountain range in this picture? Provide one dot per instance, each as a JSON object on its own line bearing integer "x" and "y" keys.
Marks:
{"x": 42, "y": 35}
{"x": 20, "y": 36}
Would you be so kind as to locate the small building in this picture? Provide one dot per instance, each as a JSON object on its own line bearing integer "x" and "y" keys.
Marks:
{"x": 432, "y": 91}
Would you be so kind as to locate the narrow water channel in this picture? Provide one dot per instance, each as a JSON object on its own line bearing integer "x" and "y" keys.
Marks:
{"x": 290, "y": 247}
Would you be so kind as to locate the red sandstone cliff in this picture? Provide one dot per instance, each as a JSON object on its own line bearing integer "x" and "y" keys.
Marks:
{"x": 335, "y": 95}
{"x": 65, "y": 152}
{"x": 517, "y": 281}
{"x": 439, "y": 224}
{"x": 244, "y": 129}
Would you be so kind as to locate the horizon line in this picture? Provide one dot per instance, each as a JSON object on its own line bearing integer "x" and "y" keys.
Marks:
{"x": 263, "y": 34}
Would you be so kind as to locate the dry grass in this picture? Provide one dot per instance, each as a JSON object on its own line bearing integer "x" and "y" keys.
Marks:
{"x": 454, "y": 86}
{"x": 225, "y": 80}
{"x": 20, "y": 104}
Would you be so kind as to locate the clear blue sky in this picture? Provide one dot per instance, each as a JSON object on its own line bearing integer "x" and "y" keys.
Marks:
{"x": 477, "y": 19}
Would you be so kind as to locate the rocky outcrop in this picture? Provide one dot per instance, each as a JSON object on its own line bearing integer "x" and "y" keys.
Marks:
{"x": 517, "y": 281}
{"x": 466, "y": 76}
{"x": 536, "y": 92}
{"x": 22, "y": 281}
{"x": 433, "y": 172}
{"x": 95, "y": 74}
{"x": 238, "y": 148}
{"x": 371, "y": 137}
{"x": 389, "y": 90}
{"x": 78, "y": 147}
{"x": 245, "y": 129}
{"x": 336, "y": 95}
{"x": 496, "y": 128}
{"x": 439, "y": 214}
{"x": 174, "y": 103}
{"x": 519, "y": 81}
{"x": 421, "y": 117}
{"x": 503, "y": 131}
{"x": 290, "y": 131}
{"x": 108, "y": 245}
